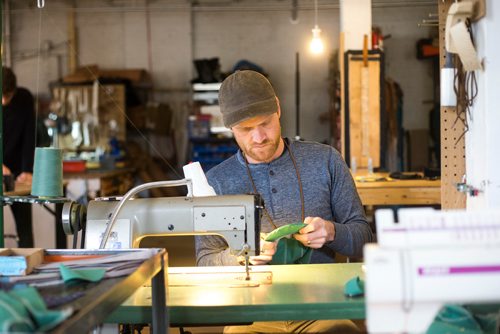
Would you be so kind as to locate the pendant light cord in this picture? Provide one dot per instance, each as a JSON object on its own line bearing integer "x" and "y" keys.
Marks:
{"x": 315, "y": 13}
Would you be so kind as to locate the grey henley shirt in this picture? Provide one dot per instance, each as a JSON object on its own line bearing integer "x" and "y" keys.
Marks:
{"x": 329, "y": 193}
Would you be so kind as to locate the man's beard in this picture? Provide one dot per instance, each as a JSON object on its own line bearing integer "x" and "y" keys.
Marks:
{"x": 263, "y": 152}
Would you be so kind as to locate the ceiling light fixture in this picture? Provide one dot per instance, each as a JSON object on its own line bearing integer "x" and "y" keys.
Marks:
{"x": 316, "y": 45}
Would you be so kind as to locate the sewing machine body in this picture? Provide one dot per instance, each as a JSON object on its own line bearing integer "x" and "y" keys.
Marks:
{"x": 235, "y": 217}
{"x": 427, "y": 259}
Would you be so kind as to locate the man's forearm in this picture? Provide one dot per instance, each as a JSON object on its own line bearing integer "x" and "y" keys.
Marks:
{"x": 350, "y": 238}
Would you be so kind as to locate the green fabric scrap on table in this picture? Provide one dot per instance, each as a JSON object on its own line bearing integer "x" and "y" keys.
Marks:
{"x": 23, "y": 310}
{"x": 355, "y": 287}
{"x": 88, "y": 275}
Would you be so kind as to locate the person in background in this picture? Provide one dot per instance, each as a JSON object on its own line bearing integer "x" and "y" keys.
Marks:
{"x": 18, "y": 147}
{"x": 299, "y": 181}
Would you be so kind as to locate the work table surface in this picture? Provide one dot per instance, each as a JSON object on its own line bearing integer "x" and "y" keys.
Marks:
{"x": 297, "y": 292}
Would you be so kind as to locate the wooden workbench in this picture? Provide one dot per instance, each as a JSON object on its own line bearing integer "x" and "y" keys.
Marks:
{"x": 112, "y": 182}
{"x": 399, "y": 192}
{"x": 297, "y": 292}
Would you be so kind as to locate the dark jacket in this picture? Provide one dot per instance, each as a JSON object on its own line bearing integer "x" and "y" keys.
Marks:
{"x": 19, "y": 132}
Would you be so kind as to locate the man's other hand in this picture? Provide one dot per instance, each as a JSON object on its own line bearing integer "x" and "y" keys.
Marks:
{"x": 25, "y": 178}
{"x": 267, "y": 250}
{"x": 317, "y": 232}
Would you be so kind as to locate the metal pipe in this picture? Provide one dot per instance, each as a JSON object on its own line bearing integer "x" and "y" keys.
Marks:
{"x": 134, "y": 191}
{"x": 6, "y": 36}
{"x": 236, "y": 7}
{"x": 297, "y": 96}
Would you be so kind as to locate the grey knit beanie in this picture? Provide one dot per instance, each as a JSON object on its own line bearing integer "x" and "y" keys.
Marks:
{"x": 246, "y": 94}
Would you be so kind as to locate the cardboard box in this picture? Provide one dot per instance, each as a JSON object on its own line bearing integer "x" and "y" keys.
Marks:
{"x": 19, "y": 261}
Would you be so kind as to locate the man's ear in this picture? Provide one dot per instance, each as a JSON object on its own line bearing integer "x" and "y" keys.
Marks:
{"x": 279, "y": 107}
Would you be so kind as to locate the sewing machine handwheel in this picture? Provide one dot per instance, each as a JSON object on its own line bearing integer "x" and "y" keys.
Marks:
{"x": 73, "y": 217}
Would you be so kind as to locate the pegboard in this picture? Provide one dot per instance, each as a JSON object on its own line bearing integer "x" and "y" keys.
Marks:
{"x": 452, "y": 152}
{"x": 74, "y": 104}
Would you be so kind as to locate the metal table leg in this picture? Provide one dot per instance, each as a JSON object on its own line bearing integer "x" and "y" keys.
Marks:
{"x": 159, "y": 309}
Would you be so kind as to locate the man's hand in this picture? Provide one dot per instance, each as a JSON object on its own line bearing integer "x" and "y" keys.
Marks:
{"x": 6, "y": 170}
{"x": 25, "y": 178}
{"x": 267, "y": 250}
{"x": 317, "y": 232}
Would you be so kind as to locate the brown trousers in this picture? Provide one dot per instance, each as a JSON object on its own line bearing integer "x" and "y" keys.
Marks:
{"x": 309, "y": 326}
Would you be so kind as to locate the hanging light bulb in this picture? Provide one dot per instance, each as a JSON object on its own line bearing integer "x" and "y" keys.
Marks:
{"x": 316, "y": 45}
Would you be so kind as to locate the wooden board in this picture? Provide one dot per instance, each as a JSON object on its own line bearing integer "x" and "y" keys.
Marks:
{"x": 401, "y": 192}
{"x": 342, "y": 94}
{"x": 364, "y": 140}
{"x": 452, "y": 152}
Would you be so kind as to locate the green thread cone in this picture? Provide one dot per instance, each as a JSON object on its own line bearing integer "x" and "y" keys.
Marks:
{"x": 47, "y": 173}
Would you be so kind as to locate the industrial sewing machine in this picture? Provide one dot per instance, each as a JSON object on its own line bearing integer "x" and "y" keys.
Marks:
{"x": 124, "y": 222}
{"x": 427, "y": 258}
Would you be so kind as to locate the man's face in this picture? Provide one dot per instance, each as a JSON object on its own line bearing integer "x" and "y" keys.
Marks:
{"x": 259, "y": 137}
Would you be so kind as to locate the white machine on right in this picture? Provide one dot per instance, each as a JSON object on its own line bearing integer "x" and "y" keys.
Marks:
{"x": 426, "y": 258}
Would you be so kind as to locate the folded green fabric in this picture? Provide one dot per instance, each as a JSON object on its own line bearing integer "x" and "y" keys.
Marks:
{"x": 14, "y": 317}
{"x": 88, "y": 275}
{"x": 285, "y": 231}
{"x": 459, "y": 319}
{"x": 354, "y": 287}
{"x": 23, "y": 310}
{"x": 291, "y": 251}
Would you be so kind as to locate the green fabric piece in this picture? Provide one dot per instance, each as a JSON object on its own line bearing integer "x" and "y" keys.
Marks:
{"x": 45, "y": 319}
{"x": 355, "y": 287}
{"x": 89, "y": 275}
{"x": 459, "y": 319}
{"x": 23, "y": 310}
{"x": 14, "y": 317}
{"x": 291, "y": 251}
{"x": 285, "y": 231}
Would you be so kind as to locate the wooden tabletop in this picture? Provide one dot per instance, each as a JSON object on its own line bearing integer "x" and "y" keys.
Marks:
{"x": 97, "y": 173}
{"x": 379, "y": 189}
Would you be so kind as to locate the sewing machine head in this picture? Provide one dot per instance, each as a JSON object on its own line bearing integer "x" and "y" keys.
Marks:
{"x": 235, "y": 217}
{"x": 426, "y": 258}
